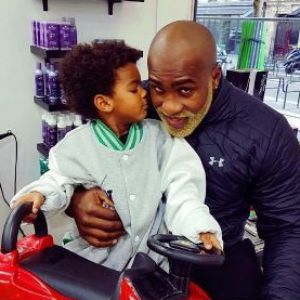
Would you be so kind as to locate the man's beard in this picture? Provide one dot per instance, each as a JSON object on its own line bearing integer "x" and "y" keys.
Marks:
{"x": 193, "y": 120}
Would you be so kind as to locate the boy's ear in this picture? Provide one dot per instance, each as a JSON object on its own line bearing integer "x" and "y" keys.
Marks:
{"x": 103, "y": 103}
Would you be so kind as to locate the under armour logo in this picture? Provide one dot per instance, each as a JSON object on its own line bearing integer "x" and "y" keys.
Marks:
{"x": 219, "y": 162}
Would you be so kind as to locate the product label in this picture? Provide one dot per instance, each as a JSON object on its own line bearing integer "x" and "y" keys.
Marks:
{"x": 46, "y": 84}
{"x": 52, "y": 36}
{"x": 53, "y": 89}
{"x": 34, "y": 37}
{"x": 52, "y": 136}
{"x": 38, "y": 33}
{"x": 73, "y": 34}
{"x": 63, "y": 100}
{"x": 42, "y": 35}
{"x": 61, "y": 132}
{"x": 39, "y": 86}
{"x": 65, "y": 37}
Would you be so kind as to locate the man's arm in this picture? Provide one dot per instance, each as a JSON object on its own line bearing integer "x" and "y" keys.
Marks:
{"x": 99, "y": 226}
{"x": 277, "y": 203}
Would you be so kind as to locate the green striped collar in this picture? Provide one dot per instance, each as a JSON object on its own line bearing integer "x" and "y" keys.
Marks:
{"x": 109, "y": 139}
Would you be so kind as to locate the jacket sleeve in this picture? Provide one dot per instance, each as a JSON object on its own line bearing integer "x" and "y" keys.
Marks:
{"x": 277, "y": 203}
{"x": 183, "y": 181}
{"x": 57, "y": 185}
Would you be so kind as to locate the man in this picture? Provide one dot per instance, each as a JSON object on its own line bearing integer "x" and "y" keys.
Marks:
{"x": 250, "y": 156}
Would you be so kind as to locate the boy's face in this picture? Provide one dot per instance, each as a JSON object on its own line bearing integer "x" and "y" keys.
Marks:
{"x": 129, "y": 97}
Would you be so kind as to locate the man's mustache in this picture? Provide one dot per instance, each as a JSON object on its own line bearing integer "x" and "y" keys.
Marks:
{"x": 184, "y": 114}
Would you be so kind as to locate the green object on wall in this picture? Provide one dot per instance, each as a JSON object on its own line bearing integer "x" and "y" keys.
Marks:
{"x": 252, "y": 47}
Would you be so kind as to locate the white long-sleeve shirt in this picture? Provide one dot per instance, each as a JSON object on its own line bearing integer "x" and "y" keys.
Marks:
{"x": 138, "y": 178}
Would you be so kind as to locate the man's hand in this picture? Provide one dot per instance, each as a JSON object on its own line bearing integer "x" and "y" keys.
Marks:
{"x": 99, "y": 226}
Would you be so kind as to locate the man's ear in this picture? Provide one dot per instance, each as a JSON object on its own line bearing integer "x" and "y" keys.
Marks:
{"x": 103, "y": 103}
{"x": 216, "y": 76}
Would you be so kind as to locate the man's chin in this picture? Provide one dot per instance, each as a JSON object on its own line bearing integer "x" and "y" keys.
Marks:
{"x": 182, "y": 132}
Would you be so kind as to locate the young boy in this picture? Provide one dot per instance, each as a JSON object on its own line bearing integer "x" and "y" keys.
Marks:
{"x": 133, "y": 159}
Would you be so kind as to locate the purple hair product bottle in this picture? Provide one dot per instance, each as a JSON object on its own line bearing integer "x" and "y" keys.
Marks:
{"x": 52, "y": 131}
{"x": 56, "y": 69}
{"x": 39, "y": 81}
{"x": 53, "y": 86}
{"x": 42, "y": 34}
{"x": 38, "y": 33}
{"x": 63, "y": 99}
{"x": 34, "y": 37}
{"x": 65, "y": 36}
{"x": 52, "y": 35}
{"x": 46, "y": 79}
{"x": 73, "y": 32}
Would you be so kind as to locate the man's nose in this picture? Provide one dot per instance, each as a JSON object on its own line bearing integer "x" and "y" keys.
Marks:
{"x": 143, "y": 93}
{"x": 171, "y": 106}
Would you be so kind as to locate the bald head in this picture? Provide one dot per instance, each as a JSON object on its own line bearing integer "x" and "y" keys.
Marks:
{"x": 183, "y": 75}
{"x": 182, "y": 38}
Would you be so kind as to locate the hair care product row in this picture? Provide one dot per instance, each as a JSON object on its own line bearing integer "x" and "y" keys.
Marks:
{"x": 54, "y": 35}
{"x": 56, "y": 125}
{"x": 47, "y": 86}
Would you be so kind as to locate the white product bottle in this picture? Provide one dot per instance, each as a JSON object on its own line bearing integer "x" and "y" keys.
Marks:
{"x": 45, "y": 117}
{"x": 61, "y": 127}
{"x": 69, "y": 122}
{"x": 77, "y": 121}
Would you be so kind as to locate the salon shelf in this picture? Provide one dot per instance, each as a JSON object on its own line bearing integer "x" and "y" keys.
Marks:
{"x": 110, "y": 4}
{"x": 45, "y": 5}
{"x": 43, "y": 149}
{"x": 47, "y": 54}
{"x": 50, "y": 107}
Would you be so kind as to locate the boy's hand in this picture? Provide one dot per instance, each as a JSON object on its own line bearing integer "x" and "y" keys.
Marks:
{"x": 37, "y": 200}
{"x": 209, "y": 241}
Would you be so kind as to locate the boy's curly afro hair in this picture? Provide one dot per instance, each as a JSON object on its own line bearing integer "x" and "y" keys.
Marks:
{"x": 89, "y": 69}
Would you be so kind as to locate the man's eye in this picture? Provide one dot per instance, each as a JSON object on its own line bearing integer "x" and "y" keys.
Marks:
{"x": 134, "y": 91}
{"x": 157, "y": 89}
{"x": 185, "y": 91}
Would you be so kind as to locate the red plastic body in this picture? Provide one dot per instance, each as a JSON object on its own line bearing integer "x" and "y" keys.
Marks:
{"x": 18, "y": 284}
{"x": 128, "y": 292}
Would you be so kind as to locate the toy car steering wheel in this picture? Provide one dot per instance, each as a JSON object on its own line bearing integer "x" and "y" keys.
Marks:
{"x": 160, "y": 243}
{"x": 12, "y": 225}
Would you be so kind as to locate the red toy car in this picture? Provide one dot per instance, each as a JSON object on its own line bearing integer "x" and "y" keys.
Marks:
{"x": 33, "y": 268}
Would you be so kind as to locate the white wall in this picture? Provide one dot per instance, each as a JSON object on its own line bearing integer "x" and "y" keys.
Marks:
{"x": 136, "y": 22}
{"x": 172, "y": 10}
